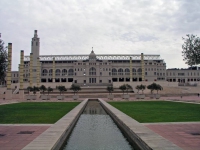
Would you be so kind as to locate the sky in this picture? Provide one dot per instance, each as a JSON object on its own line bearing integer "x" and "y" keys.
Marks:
{"x": 109, "y": 26}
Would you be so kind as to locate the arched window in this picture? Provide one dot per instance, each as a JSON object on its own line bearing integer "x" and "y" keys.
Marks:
{"x": 50, "y": 72}
{"x": 134, "y": 71}
{"x": 44, "y": 72}
{"x": 92, "y": 71}
{"x": 57, "y": 72}
{"x": 71, "y": 72}
{"x": 139, "y": 71}
{"x": 127, "y": 71}
{"x": 120, "y": 71}
{"x": 64, "y": 72}
{"x": 114, "y": 71}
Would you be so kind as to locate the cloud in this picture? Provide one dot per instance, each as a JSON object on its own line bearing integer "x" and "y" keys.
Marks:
{"x": 111, "y": 27}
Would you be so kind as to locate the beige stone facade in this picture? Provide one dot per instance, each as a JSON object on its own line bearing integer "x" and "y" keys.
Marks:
{"x": 97, "y": 69}
{"x": 93, "y": 69}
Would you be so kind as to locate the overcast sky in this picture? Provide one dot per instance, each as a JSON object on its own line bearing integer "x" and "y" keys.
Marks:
{"x": 110, "y": 26}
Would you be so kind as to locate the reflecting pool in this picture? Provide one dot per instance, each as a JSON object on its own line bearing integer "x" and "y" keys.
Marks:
{"x": 95, "y": 130}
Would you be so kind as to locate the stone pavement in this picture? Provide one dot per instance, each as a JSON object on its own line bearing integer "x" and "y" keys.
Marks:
{"x": 15, "y": 137}
{"x": 185, "y": 135}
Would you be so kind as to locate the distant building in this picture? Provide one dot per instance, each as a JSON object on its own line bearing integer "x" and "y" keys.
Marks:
{"x": 191, "y": 74}
{"x": 98, "y": 69}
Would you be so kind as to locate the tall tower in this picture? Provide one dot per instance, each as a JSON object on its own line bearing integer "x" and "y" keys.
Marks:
{"x": 35, "y": 50}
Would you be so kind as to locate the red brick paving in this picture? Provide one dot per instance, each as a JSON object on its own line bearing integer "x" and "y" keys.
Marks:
{"x": 179, "y": 134}
{"x": 14, "y": 141}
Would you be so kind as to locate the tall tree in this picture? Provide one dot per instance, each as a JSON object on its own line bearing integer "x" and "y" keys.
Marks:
{"x": 3, "y": 60}
{"x": 191, "y": 49}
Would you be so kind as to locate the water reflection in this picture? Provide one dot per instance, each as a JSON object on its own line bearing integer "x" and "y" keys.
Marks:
{"x": 95, "y": 130}
{"x": 93, "y": 107}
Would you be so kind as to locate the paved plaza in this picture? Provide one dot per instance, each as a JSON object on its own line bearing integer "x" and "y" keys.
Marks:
{"x": 16, "y": 137}
{"x": 185, "y": 135}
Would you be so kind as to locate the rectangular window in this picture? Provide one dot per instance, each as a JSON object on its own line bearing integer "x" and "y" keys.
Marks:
{"x": 181, "y": 74}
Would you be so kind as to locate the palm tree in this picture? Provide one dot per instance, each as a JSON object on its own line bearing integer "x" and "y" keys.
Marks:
{"x": 123, "y": 88}
{"x": 61, "y": 88}
{"x": 110, "y": 89}
{"x": 43, "y": 88}
{"x": 75, "y": 88}
{"x": 49, "y": 89}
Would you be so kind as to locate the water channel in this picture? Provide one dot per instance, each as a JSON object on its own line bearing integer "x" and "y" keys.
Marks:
{"x": 95, "y": 130}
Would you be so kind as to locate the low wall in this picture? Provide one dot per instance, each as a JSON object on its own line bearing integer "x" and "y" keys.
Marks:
{"x": 134, "y": 84}
{"x": 47, "y": 84}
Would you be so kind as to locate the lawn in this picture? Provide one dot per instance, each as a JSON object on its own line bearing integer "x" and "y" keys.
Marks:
{"x": 160, "y": 111}
{"x": 35, "y": 112}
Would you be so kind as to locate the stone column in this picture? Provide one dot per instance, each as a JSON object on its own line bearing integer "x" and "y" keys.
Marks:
{"x": 31, "y": 70}
{"x": 142, "y": 65}
{"x": 131, "y": 71}
{"x": 21, "y": 75}
{"x": 8, "y": 95}
{"x": 53, "y": 73}
{"x": 38, "y": 72}
{"x": 21, "y": 68}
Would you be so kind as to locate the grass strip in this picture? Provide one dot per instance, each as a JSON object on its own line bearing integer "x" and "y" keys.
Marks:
{"x": 34, "y": 112}
{"x": 159, "y": 111}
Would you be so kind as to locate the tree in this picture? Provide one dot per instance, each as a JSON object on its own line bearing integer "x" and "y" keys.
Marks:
{"x": 191, "y": 49}
{"x": 128, "y": 87}
{"x": 154, "y": 86}
{"x": 75, "y": 88}
{"x": 29, "y": 88}
{"x": 137, "y": 88}
{"x": 3, "y": 61}
{"x": 49, "y": 89}
{"x": 61, "y": 88}
{"x": 140, "y": 87}
{"x": 35, "y": 89}
{"x": 123, "y": 88}
{"x": 110, "y": 89}
{"x": 158, "y": 87}
{"x": 43, "y": 88}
